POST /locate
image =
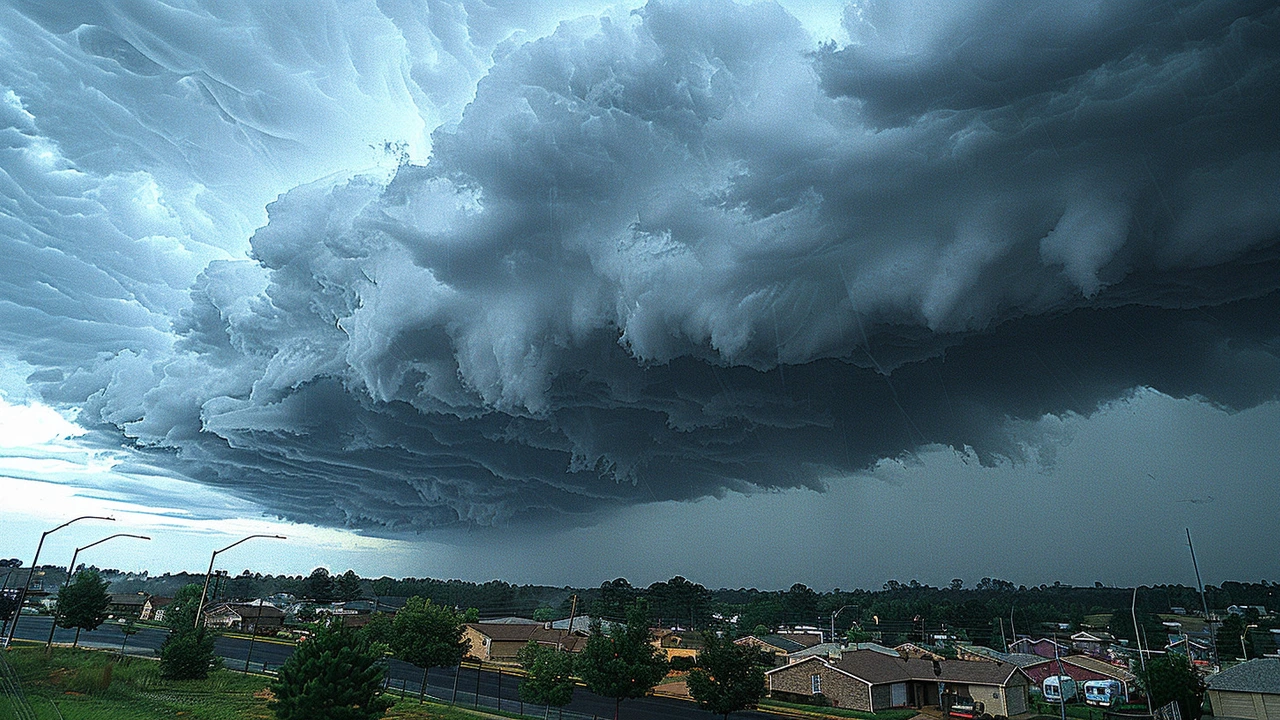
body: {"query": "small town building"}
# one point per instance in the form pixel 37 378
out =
pixel 1092 642
pixel 1044 647
pixel 153 609
pixel 1248 691
pixel 872 681
pixel 258 617
pixel 501 642
pixel 126 604
pixel 677 643
pixel 776 645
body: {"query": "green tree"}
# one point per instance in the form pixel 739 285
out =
pixel 727 678
pixel 346 587
pixel 545 614
pixel 549 679
pixel 621 663
pixel 335 675
pixel 82 603
pixel 318 586
pixel 427 635
pixel 1171 678
pixel 187 653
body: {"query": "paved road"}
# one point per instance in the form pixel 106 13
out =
pixel 440 681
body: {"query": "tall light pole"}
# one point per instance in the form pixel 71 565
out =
pixel 22 596
pixel 835 615
pixel 72 568
pixel 209 572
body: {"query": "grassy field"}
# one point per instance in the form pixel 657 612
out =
pixel 905 714
pixel 87 685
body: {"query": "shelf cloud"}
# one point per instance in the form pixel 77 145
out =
pixel 630 257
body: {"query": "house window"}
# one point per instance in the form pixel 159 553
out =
pixel 816 682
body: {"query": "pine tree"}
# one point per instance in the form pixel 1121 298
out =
pixel 621 663
pixel 728 678
pixel 335 675
pixel 188 652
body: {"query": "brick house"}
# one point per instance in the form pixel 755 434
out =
pixel 871 681
pixel 502 641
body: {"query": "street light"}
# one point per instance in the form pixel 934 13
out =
pixel 72 568
pixel 835 615
pixel 22 596
pixel 209 572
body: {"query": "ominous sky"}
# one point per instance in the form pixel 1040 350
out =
pixel 556 292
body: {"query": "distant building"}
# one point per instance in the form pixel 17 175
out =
pixel 153 609
pixel 257 617
pixel 126 604
pixel 1094 642
pixel 1082 668
pixel 1044 647
pixel 778 646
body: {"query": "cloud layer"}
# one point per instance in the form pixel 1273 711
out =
pixel 652 256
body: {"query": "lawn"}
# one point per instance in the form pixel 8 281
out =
pixel 89 685
pixel 816 711
pixel 86 685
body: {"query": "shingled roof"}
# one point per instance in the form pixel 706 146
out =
pixel 1256 676
pixel 877 668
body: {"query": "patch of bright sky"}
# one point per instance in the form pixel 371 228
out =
pixel 47 477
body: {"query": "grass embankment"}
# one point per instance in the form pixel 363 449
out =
pixel 821 712
pixel 89 685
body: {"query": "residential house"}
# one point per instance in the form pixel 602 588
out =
pixel 1198 651
pixel 258 617
pixel 500 642
pixel 776 645
pixel 1248 691
pixel 806 635
pixel 1093 642
pixel 126 604
pixel 1082 668
pixel 677 643
pixel 581 624
pixel 154 607
pixel 1044 647
pixel 872 681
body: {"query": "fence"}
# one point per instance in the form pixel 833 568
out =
pixel 460 696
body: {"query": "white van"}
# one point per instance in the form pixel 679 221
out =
pixel 1058 688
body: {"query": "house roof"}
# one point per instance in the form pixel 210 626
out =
pixel 511 620
pixel 878 668
pixel 503 632
pixel 1256 676
pixel 1086 636
pixel 158 602
pixel 786 645
pixel 1101 667
pixel 830 649
pixel 128 599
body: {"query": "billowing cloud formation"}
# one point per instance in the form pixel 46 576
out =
pixel 657 256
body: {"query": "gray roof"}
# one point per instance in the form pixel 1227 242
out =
pixel 1019 659
pixel 830 649
pixel 1258 676
pixel 877 668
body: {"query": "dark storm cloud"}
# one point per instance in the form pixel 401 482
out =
pixel 673 254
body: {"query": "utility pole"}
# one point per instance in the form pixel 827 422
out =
pixel 1213 635
pixel 1137 639
pixel 573 612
